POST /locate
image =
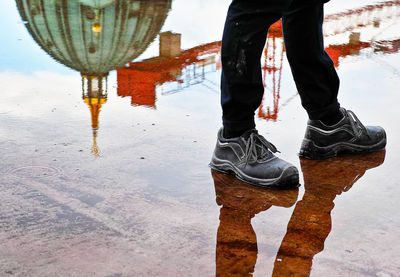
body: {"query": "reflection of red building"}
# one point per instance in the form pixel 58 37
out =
pixel 139 85
pixel 140 79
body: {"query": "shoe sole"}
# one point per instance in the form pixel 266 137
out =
pixel 288 179
pixel 311 151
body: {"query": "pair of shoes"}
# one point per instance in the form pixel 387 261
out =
pixel 348 136
pixel 251 158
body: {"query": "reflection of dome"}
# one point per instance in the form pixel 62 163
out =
pixel 94 36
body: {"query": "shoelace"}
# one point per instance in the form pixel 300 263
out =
pixel 251 147
pixel 356 124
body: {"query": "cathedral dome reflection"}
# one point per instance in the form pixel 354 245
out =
pixel 94 36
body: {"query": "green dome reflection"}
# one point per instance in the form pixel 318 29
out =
pixel 94 36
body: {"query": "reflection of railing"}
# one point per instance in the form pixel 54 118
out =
pixel 363 17
pixel 140 79
pixel 192 75
pixel 334 24
pixel 273 64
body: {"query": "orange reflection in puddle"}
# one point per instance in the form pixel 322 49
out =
pixel 309 225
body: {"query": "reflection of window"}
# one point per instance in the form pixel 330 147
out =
pixel 36 7
pixel 89 13
pixel 134 10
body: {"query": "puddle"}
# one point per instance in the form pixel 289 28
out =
pixel 133 86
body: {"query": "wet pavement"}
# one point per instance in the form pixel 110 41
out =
pixel 104 172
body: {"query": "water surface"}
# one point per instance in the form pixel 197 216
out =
pixel 109 115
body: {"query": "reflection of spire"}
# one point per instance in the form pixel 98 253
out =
pixel 94 89
pixel 95 149
pixel 311 221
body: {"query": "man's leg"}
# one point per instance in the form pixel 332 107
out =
pixel 243 41
pixel 240 149
pixel 313 70
pixel 331 130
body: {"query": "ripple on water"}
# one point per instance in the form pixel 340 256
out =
pixel 35 171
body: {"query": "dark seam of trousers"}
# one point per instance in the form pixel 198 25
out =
pixel 244 38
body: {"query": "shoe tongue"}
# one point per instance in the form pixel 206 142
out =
pixel 247 134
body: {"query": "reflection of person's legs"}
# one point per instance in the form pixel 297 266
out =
pixel 244 38
pixel 307 231
pixel 236 249
pixel 312 68
pixel 311 223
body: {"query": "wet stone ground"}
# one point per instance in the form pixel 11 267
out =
pixel 108 117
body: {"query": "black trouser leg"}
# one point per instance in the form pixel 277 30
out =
pixel 243 41
pixel 313 70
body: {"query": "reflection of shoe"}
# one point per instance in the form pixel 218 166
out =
pixel 232 193
pixel 334 176
pixel 250 158
pixel 347 136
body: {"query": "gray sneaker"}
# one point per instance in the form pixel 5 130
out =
pixel 250 158
pixel 348 136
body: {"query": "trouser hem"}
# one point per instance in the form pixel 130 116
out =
pixel 324 112
pixel 238 126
